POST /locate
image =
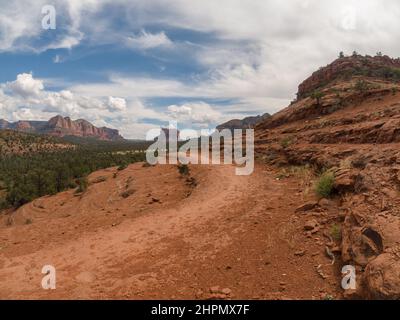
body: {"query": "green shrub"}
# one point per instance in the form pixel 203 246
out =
pixel 361 86
pixel 183 169
pixel 286 142
pixel 82 185
pixel 122 166
pixel 317 95
pixel 324 185
pixel 336 232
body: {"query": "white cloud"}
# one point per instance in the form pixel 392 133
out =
pixel 23 114
pixel 57 59
pixel 138 87
pixel 67 42
pixel 254 53
pixel 199 113
pixel 27 99
pixel 26 86
pixel 116 104
pixel 147 40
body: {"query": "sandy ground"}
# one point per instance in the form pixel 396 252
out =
pixel 169 239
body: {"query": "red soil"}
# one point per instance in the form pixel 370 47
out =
pixel 168 240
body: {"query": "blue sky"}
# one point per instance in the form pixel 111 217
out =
pixel 136 65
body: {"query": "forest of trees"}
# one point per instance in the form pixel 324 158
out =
pixel 29 176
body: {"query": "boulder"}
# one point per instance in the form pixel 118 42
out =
pixel 382 277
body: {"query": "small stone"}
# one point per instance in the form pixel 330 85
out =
pixel 326 204
pixel 311 225
pixel 226 291
pixel 300 253
pixel 307 207
pixel 215 289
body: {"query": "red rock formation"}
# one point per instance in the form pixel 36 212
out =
pixel 355 134
pixel 23 126
pixel 379 66
pixel 60 127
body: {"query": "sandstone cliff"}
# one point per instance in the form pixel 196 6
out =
pixel 59 126
pixel 351 129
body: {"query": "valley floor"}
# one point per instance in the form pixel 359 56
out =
pixel 230 237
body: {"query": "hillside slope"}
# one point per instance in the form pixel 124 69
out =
pixel 246 123
pixel 150 233
pixel 351 127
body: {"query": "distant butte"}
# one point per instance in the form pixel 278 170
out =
pixel 59 126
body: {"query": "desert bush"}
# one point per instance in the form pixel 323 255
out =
pixel 122 166
pixel 184 169
pixel 127 193
pixel 336 232
pixel 286 142
pixel 361 86
pixel 324 185
pixel 317 95
pixel 82 185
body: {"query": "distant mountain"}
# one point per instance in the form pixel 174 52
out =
pixel 246 123
pixel 59 126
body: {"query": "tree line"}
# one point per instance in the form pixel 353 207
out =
pixel 26 177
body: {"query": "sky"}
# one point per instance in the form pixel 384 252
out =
pixel 135 65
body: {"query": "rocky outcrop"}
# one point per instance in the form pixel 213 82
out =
pixel 355 134
pixel 246 123
pixel 60 127
pixel 343 68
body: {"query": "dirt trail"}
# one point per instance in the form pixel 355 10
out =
pixel 235 232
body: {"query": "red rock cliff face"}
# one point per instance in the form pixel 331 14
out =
pixel 377 67
pixel 355 135
pixel 59 126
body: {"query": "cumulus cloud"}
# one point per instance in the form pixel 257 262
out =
pixel 254 54
pixel 23 114
pixel 116 104
pixel 26 98
pixel 26 86
pixel 199 113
